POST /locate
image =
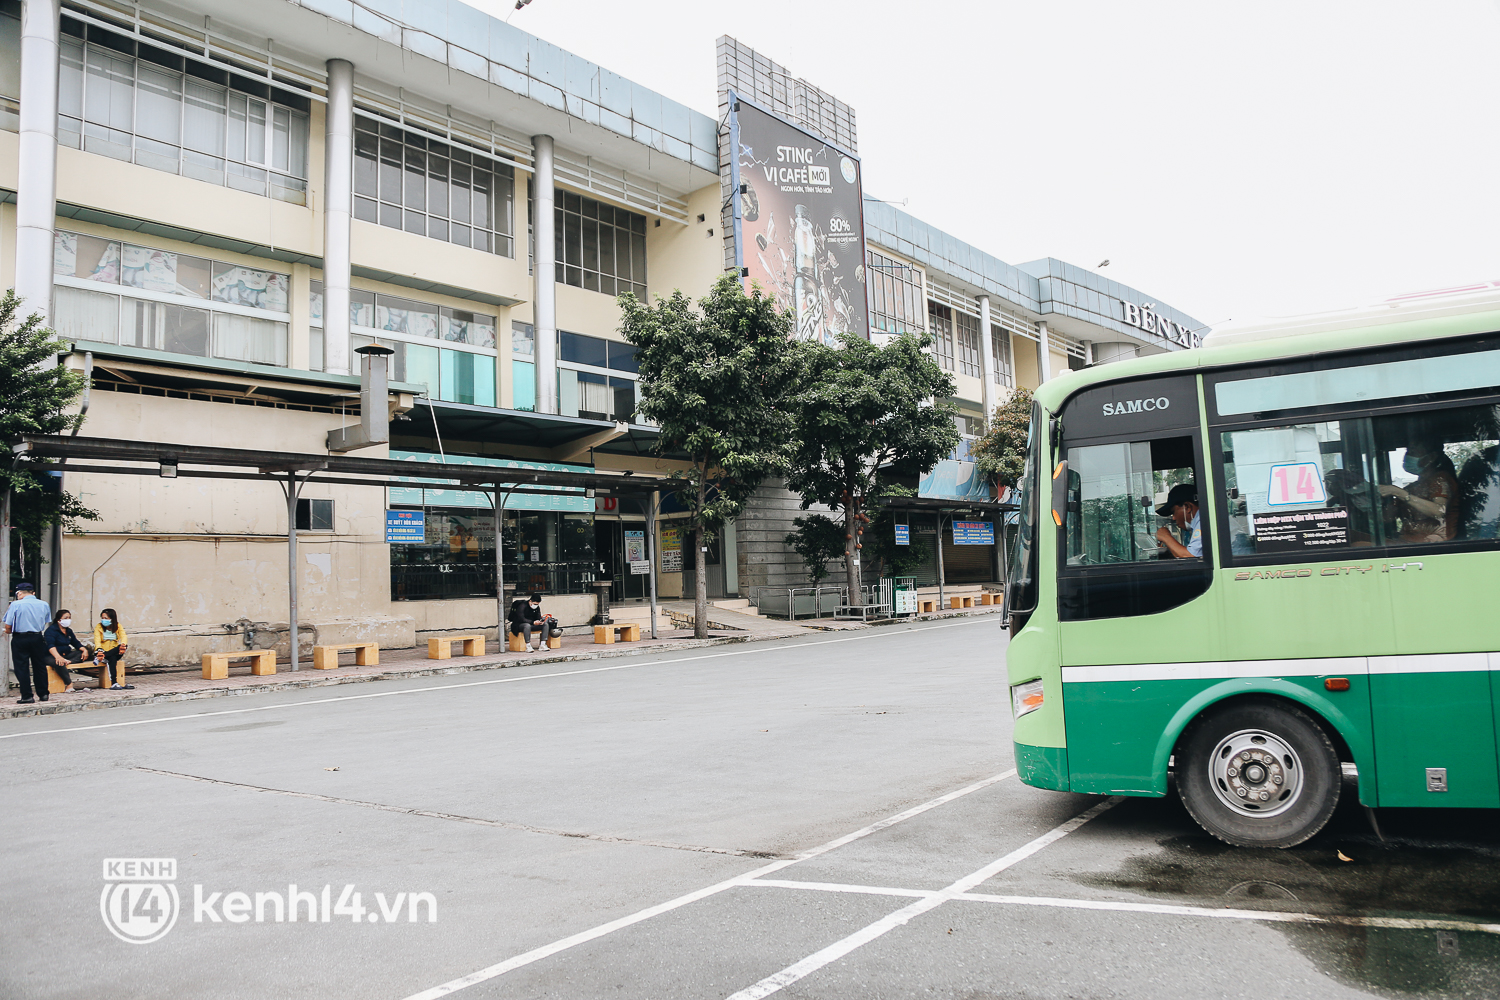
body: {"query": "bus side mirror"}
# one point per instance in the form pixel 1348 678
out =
pixel 1060 492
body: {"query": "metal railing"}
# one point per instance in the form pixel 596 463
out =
pixel 875 600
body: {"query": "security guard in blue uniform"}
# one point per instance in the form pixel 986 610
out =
pixel 25 621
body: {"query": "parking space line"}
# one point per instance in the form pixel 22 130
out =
pixel 536 954
pixel 1273 916
pixel 863 936
pixel 871 890
pixel 469 684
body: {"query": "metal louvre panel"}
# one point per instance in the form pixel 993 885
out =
pixel 617 185
pixel 961 301
pixel 411 113
pixel 220 46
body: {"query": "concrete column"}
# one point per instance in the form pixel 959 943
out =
pixel 987 359
pixel 338 208
pixel 36 199
pixel 544 267
pixel 1043 355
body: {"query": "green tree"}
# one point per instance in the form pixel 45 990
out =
pixel 818 539
pixel 1001 453
pixel 32 399
pixel 867 415
pixel 715 380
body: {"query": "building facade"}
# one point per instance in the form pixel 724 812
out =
pixel 216 219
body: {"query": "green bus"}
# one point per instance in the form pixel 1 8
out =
pixel 1248 564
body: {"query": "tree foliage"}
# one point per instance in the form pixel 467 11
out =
pixel 1001 453
pixel 866 415
pixel 32 400
pixel 715 380
pixel 818 540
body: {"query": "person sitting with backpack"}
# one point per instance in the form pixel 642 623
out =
pixel 526 616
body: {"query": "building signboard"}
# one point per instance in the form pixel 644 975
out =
pixel 635 553
pixel 903 534
pixel 404 527
pixel 1145 318
pixel 973 533
pixel 799 229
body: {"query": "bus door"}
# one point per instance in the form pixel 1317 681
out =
pixel 1125 596
pixel 1434 701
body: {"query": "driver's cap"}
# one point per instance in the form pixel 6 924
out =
pixel 1181 493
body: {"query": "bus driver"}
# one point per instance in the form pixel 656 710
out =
pixel 1182 508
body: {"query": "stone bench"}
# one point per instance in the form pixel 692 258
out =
pixel 216 665
pixel 441 647
pixel 366 654
pixel 605 635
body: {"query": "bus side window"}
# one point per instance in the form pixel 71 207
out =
pixel 1114 493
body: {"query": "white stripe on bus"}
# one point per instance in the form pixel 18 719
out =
pixel 1348 666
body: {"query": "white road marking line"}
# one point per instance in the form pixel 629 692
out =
pixel 457 817
pixel 1274 916
pixel 468 684
pixel 1168 909
pixel 536 954
pixel 871 890
pixel 837 950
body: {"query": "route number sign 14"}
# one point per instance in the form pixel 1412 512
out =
pixel 1296 484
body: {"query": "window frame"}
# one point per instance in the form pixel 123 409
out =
pixel 309 501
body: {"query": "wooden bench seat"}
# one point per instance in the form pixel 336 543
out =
pixel 926 605
pixel 441 647
pixel 605 635
pixel 517 642
pixel 988 597
pixel 216 665
pixel 366 654
pixel 962 601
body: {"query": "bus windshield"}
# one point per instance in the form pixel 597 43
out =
pixel 1021 591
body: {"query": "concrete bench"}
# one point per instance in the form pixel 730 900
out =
pixel 517 642
pixel 964 601
pixel 216 665
pixel 366 654
pixel 441 647
pixel 605 635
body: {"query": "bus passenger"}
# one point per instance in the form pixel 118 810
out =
pixel 1425 508
pixel 1182 508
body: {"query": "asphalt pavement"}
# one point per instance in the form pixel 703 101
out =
pixel 830 817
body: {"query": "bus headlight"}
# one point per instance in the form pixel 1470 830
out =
pixel 1026 698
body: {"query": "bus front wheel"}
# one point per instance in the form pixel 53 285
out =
pixel 1258 774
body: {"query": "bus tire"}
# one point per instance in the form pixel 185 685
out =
pixel 1258 773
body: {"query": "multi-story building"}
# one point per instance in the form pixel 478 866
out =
pixel 217 203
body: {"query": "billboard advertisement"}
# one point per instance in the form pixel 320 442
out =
pixel 799 222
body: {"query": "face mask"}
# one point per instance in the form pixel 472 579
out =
pixel 1411 463
pixel 65 622
pixel 105 623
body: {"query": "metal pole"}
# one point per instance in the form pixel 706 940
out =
pixel 651 554
pixel 942 593
pixel 291 565
pixel 500 609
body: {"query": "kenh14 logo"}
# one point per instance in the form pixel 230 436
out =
pixel 139 902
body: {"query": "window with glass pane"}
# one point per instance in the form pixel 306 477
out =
pixel 160 109
pixel 523 385
pixel 522 339
pixel 582 349
pixel 940 324
pixel 244 338
pixel 163 327
pixel 465 327
pixel 1436 473
pixel 599 247
pixel 432 187
pixel 467 378
pixel 83 315
pixel 895 295
pixel 1004 373
pixel 1113 493
pixel 967 329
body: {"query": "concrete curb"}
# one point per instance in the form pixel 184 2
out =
pixel 77 704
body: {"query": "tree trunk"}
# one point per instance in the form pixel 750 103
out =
pixel 700 563
pixel 851 554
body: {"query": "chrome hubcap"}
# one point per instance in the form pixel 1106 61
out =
pixel 1256 773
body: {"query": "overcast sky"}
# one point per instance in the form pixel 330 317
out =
pixel 1232 160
